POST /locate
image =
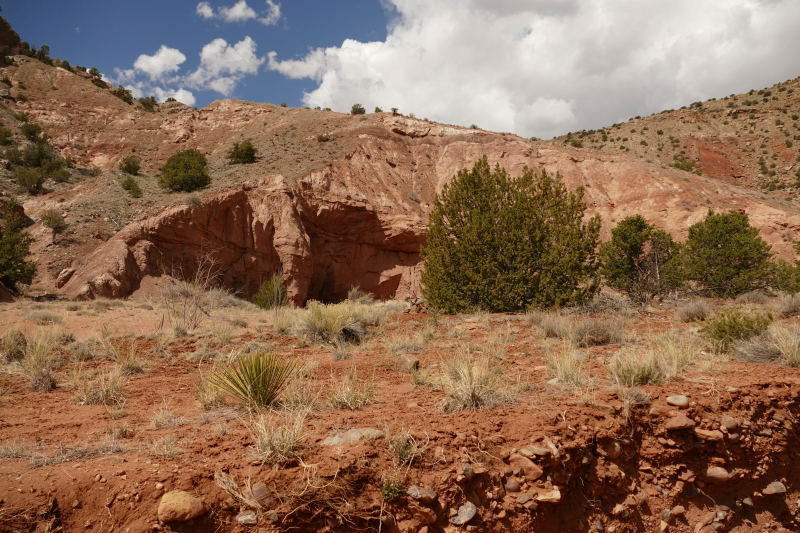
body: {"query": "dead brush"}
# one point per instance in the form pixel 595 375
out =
pixel 348 393
pixel 190 299
pixel 406 450
pixel 310 494
pixel 790 306
pixel 13 344
pixel 39 362
pixel 753 297
pixel 556 327
pixel 227 482
pixel 106 387
pixel 566 366
pixel 400 343
pixel 123 352
pixel 473 382
pixel 697 310
pixel 594 332
pixel 277 436
pixel 209 396
pixel 299 396
pixel 633 398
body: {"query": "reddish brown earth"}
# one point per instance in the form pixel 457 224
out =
pixel 621 471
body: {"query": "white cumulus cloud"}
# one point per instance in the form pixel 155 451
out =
pixel 240 12
pixel 223 65
pixel 545 67
pixel 165 61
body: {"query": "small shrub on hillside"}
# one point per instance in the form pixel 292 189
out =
pixel 31 130
pixel 38 362
pixel 241 154
pixel 567 367
pixel 149 103
pixel 753 297
pixel 94 72
pixel 6 136
pixel 272 293
pixel 734 325
pixel 130 165
pixel 185 171
pixel 357 109
pixel 323 138
pixel 29 179
pixel 504 244
pixel 124 94
pixel 637 259
pixel 132 186
pixel 52 219
pixel 15 248
pixel 473 382
pixel 724 256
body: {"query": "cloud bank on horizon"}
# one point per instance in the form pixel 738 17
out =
pixel 532 67
pixel 545 67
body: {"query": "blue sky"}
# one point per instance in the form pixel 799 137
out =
pixel 110 34
pixel 532 67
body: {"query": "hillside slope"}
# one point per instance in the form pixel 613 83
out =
pixel 750 139
pixel 331 214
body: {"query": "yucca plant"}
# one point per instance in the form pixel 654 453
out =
pixel 256 379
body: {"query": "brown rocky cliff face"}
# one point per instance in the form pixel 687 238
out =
pixel 354 222
pixel 348 212
pixel 9 40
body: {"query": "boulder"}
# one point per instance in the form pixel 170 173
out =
pixel 180 506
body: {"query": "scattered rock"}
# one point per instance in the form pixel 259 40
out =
pixel 531 470
pixel 776 487
pixel 159 486
pixel 612 449
pixel 76 504
pixel 112 459
pixel 425 496
pixel 247 518
pixel 272 517
pixel 180 506
pixel 679 400
pixel 531 451
pixel 678 510
pixel 748 501
pixel 525 498
pixel 680 421
pixel 352 436
pixel 599 526
pixel 262 495
pixel 467 471
pixel 712 435
pixel 554 496
pixel 512 485
pixel 388 520
pixel 465 513
pixel 730 423
pixel 716 474
pixel 406 363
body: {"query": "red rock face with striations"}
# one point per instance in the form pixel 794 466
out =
pixel 331 215
pixel 352 223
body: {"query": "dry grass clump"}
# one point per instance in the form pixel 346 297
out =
pixel 790 306
pixel 84 350
pixel 603 302
pixel 779 344
pixel 44 318
pixel 38 362
pixel 399 344
pixel 15 450
pixel 13 344
pixel 473 382
pixel 667 357
pixel 166 448
pixel 594 332
pixel 124 354
pixel 277 436
pixel 207 394
pixel 166 418
pixel 693 311
pixel 104 388
pixel 343 322
pixel 299 396
pixel 284 319
pixel 567 367
pixel 753 297
pixel 556 327
pixel 349 393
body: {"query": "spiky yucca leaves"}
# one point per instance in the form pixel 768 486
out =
pixel 255 379
pixel 503 244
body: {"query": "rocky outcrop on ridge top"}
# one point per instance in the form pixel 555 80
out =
pixel 349 211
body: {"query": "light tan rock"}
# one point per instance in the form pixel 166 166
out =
pixel 180 506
